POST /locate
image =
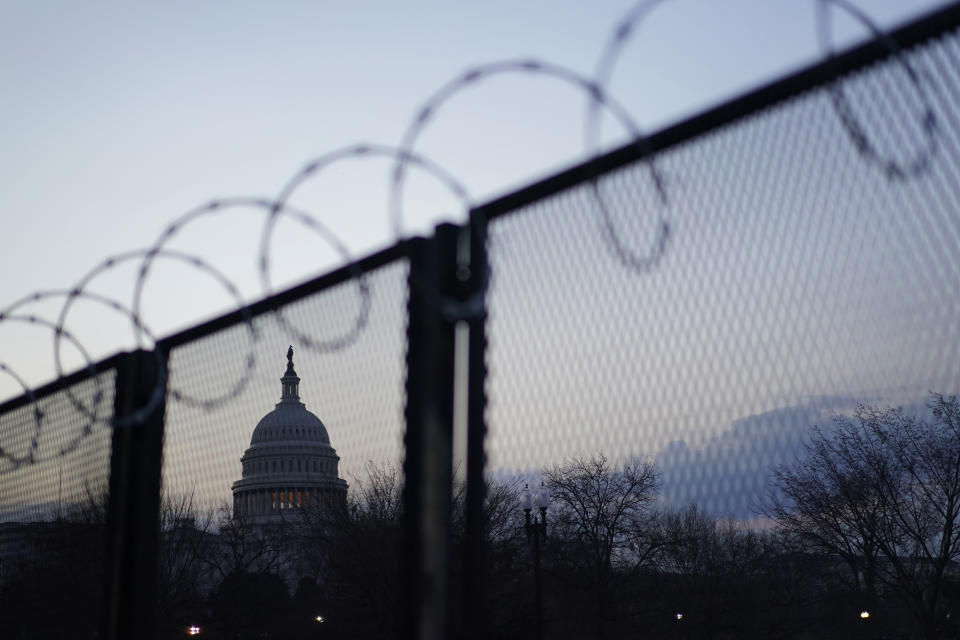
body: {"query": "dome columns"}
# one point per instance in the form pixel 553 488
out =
pixel 271 502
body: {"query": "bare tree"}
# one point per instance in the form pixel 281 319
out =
pixel 601 524
pixel 881 491
pixel 184 572
pixel 503 517
pixel 354 551
pixel 243 546
pixel 726 579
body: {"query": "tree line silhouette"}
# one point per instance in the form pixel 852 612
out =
pixel 859 538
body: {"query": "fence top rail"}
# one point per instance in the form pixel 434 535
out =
pixel 196 332
pixel 61 383
pixel 807 79
pixel 333 278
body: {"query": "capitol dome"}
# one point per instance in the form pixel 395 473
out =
pixel 290 464
pixel 289 421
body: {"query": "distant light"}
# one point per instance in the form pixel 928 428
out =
pixel 319 619
pixel 679 616
pixel 193 630
pixel 864 615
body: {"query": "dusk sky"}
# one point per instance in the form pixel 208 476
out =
pixel 725 368
pixel 798 280
pixel 118 118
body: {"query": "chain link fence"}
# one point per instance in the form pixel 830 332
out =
pixel 652 335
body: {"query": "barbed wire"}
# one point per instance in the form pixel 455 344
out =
pixel 9 458
pixel 313 169
pixel 891 167
pixel 604 70
pixel 404 158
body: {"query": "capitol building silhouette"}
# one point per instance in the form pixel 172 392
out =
pixel 290 465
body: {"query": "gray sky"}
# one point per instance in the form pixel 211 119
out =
pixel 118 117
pixel 797 282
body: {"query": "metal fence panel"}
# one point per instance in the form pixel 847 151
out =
pixel 799 261
pixel 257 534
pixel 54 475
pixel 667 325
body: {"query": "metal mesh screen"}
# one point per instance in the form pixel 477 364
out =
pixel 806 272
pixel 288 513
pixel 798 280
pixel 663 345
pixel 54 474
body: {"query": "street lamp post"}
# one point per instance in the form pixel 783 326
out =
pixel 536 530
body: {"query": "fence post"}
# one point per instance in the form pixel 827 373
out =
pixel 429 438
pixel 132 514
pixel 447 283
pixel 473 276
